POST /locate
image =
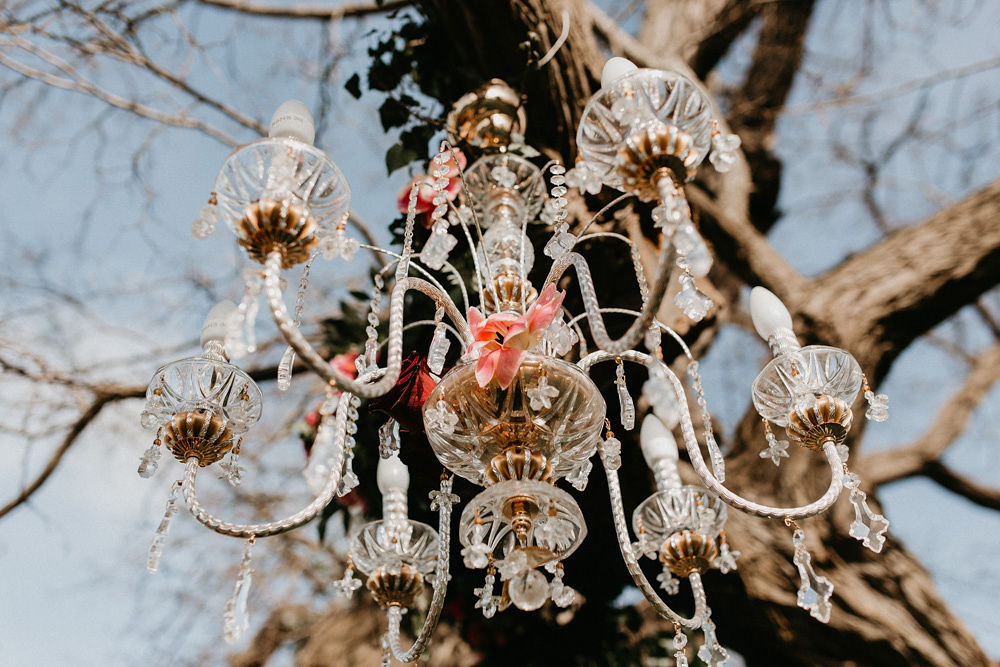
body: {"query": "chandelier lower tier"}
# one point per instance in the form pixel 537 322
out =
pixel 513 415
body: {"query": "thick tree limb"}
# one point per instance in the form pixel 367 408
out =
pixel 314 11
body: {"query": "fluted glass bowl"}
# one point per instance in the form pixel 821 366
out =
pixel 394 543
pixel 198 383
pixel 282 169
pixel 482 191
pixel 811 371
pixel 660 97
pixel 490 419
pixel 691 508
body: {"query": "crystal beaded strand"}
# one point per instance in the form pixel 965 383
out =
pixel 627 412
pixel 288 358
pixel 714 453
pixel 439 343
pixel 440 242
pixel 156 548
pixel 236 618
pixel 149 463
pixel 680 642
pixel 878 404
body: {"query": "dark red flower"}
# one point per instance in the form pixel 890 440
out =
pixel 406 399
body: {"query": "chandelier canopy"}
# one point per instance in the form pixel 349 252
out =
pixel 516 412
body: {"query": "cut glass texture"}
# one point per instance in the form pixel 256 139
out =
pixel 197 383
pixel 415 545
pixel 813 370
pixel 688 508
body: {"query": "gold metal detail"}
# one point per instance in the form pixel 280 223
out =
pixel 518 462
pixel 507 293
pixel 649 156
pixel 201 434
pixel 687 551
pixel 488 116
pixel 828 420
pixel 268 225
pixel 395 589
pixel 521 511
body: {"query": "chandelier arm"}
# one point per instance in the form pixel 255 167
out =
pixel 739 502
pixel 597 328
pixel 316 363
pixel 447 267
pixel 632 564
pixel 300 518
pixel 440 586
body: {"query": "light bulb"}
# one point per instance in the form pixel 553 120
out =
pixel 768 313
pixel 616 68
pixel 220 322
pixel 656 441
pixel 392 474
pixel 292 119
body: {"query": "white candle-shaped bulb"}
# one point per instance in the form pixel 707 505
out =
pixel 292 119
pixel 220 323
pixel 392 475
pixel 769 315
pixel 616 68
pixel 656 441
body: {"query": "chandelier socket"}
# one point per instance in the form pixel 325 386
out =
pixel 688 551
pixel 521 510
pixel 828 419
pixel 200 434
pixel 270 226
pixel 517 462
pixel 395 589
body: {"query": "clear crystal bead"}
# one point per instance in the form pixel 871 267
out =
pixel 201 229
pixel 148 418
pixel 285 369
pixel 723 155
pixel 711 652
pixel 528 590
pixel 149 462
pixel 438 350
pixel 541 394
pixel 878 406
pixel 725 562
pixel 580 475
pixel 347 584
pixel 715 457
pixel 236 618
pixel 441 418
pixel 611 452
pixel 231 471
pixel 668 582
pixel 560 243
pixel 436 249
pixel 626 406
pixel 691 300
pixel 775 450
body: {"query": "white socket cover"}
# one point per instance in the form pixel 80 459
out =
pixel 656 440
pixel 292 119
pixel 392 474
pixel 768 313
pixel 220 322
pixel 616 68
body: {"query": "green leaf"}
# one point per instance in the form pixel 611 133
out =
pixel 393 113
pixel 398 156
pixel 353 86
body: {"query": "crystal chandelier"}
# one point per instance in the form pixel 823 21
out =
pixel 512 415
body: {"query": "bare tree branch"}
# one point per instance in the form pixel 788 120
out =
pixel 308 11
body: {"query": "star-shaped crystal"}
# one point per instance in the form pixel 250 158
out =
pixel 231 472
pixel 878 406
pixel 724 147
pixel 441 418
pixel 514 563
pixel 541 395
pixel 725 562
pixel 348 584
pixel 504 176
pixel 611 452
pixel 585 178
pixel 580 475
pixel 776 450
pixel 668 582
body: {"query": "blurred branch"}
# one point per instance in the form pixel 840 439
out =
pixel 924 456
pixel 308 11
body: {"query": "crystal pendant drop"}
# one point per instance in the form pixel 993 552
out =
pixel 715 457
pixel 652 338
pixel 347 584
pixel 711 652
pixel 349 480
pixel 236 618
pixel 611 452
pixel 285 369
pixel 476 556
pixel 725 562
pixel 868 526
pixel 231 471
pixel 668 582
pixel 580 475
pixel 437 247
pixel 814 590
pixel 627 408
pixel 691 300
pixel 388 438
pixel 439 345
pixel 541 394
pixel 723 155
pixel 561 594
pixel 680 642
pixel 486 601
pixel 528 590
pixel 156 548
pixel 560 243
pixel 441 418
pixel 149 462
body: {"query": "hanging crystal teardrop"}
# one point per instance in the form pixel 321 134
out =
pixel 627 407
pixel 814 590
pixel 156 548
pixel 878 406
pixel 236 618
pixel 868 526
pixel 285 369
pixel 149 462
pixel 388 438
pixel 439 344
pixel 711 652
pixel 680 642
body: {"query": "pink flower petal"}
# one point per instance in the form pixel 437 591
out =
pixel 486 367
pixel 506 370
pixel 475 319
pixel 545 308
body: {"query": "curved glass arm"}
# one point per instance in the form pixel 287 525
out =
pixel 708 479
pixel 316 363
pixel 300 518
pixel 632 563
pixel 598 329
pixel 440 587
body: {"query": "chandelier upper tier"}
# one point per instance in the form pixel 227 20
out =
pixel 511 414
